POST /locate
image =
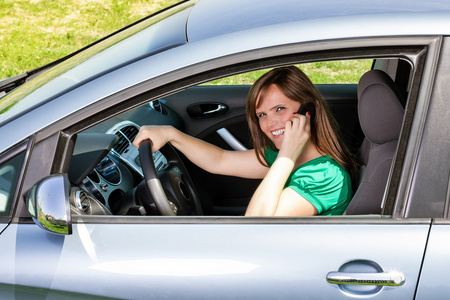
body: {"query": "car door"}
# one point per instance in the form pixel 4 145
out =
pixel 235 258
pixel 211 256
pixel 145 257
pixel 133 257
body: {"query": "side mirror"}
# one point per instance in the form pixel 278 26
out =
pixel 49 206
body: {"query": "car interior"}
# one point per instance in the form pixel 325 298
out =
pixel 107 172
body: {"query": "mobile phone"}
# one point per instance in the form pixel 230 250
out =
pixel 305 107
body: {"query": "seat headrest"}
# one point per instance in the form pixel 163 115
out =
pixel 379 107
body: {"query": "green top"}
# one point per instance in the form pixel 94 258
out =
pixel 321 181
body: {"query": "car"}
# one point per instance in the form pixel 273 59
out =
pixel 84 213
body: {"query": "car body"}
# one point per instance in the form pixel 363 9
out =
pixel 61 126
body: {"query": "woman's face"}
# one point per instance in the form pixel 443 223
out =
pixel 273 113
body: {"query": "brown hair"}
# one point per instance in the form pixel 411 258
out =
pixel 295 85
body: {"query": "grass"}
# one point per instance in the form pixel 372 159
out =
pixel 344 71
pixel 34 33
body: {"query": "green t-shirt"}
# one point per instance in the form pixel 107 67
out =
pixel 321 181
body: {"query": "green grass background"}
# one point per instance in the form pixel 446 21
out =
pixel 34 33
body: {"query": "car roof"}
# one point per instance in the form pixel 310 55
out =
pixel 195 31
pixel 211 18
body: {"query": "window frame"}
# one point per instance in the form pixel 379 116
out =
pixel 413 49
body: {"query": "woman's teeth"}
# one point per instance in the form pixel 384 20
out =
pixel 278 132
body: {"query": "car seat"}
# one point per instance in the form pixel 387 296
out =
pixel 380 113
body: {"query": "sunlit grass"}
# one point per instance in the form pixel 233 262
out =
pixel 34 33
pixel 345 71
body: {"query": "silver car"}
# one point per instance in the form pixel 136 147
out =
pixel 84 214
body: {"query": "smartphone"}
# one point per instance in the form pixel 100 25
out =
pixel 305 107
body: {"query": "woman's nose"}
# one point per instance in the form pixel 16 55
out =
pixel 272 120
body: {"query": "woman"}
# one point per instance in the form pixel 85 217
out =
pixel 305 167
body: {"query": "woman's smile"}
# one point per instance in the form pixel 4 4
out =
pixel 278 133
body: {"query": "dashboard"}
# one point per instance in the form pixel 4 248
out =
pixel 105 166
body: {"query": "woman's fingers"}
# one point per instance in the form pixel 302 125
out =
pixel 142 135
pixel 153 133
pixel 296 135
pixel 299 122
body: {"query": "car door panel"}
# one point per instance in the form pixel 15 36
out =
pixel 176 260
pixel 232 97
pixel 225 195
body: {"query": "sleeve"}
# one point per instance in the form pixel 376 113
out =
pixel 324 185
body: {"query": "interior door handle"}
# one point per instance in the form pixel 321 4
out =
pixel 380 279
pixel 220 107
pixel 206 110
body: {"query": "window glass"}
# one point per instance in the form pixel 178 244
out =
pixel 9 174
pixel 326 72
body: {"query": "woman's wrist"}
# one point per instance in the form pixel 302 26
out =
pixel 284 162
pixel 174 136
pixel 170 133
pixel 286 155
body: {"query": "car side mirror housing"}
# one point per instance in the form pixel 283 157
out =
pixel 49 205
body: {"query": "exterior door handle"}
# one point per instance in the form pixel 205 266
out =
pixel 379 279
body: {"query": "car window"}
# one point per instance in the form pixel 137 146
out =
pixel 325 72
pixel 214 112
pixel 9 174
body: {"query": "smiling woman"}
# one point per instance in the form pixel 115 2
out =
pixel 35 33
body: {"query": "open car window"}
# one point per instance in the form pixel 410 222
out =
pixel 106 167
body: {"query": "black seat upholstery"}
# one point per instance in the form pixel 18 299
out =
pixel 381 116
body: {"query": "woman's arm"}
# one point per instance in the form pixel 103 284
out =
pixel 270 198
pixel 206 156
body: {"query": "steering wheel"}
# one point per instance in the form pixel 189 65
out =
pixel 172 191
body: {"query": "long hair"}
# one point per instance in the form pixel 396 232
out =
pixel 295 85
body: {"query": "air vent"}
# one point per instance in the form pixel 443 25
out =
pixel 158 106
pixel 126 136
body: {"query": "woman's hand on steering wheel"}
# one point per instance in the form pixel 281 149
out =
pixel 159 136
pixel 174 193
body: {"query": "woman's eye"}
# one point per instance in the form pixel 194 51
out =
pixel 280 108
pixel 260 115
